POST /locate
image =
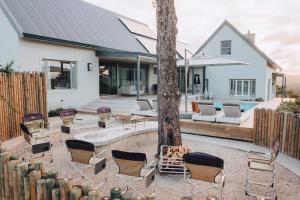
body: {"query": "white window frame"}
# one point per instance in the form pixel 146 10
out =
pixel 73 75
pixel 242 94
pixel 226 48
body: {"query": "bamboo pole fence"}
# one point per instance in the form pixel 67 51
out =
pixel 20 93
pixel 23 180
pixel 270 125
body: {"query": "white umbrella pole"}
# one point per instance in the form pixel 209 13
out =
pixel 186 77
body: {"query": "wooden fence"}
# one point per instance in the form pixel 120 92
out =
pixel 20 93
pixel 270 125
pixel 30 181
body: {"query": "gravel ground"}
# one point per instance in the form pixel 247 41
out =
pixel 167 186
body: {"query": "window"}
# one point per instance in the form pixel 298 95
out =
pixel 242 88
pixel 226 47
pixel 61 74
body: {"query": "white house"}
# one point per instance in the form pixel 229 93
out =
pixel 257 79
pixel 85 50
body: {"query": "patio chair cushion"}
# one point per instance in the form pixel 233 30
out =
pixel 33 122
pixel 129 163
pixel 195 107
pixel 199 158
pixel 203 166
pixel 79 144
pixel 232 110
pixel 275 149
pixel 207 109
pixel 262 166
pixel 81 151
pixel 67 116
pixel 103 110
pixel 129 155
pixel 32 117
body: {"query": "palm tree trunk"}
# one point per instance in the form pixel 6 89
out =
pixel 168 92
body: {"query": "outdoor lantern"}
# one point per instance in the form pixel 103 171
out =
pixel 89 67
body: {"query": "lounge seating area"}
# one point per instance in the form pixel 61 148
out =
pixel 203 177
pixel 229 113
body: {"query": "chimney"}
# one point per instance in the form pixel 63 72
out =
pixel 250 37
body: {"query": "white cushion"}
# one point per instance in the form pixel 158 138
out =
pixel 200 117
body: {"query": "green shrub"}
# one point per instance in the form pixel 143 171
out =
pixel 55 112
pixel 297 101
pixel 288 106
pixel 259 99
pixel 7 68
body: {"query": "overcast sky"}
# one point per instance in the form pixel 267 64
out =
pixel 275 22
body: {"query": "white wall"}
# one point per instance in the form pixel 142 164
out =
pixel 240 50
pixel 30 58
pixel 9 41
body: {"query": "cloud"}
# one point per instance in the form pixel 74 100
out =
pixel 275 22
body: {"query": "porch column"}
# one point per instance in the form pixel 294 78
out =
pixel 180 78
pixel 186 77
pixel 282 89
pixel 118 82
pixel 138 77
pixel 193 85
pixel 204 77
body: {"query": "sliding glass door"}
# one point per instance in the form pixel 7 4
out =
pixel 108 78
pixel 114 75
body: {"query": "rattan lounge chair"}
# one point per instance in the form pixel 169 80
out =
pixel 264 163
pixel 144 104
pixel 145 108
pixel 154 104
pixel 204 167
pixel 36 136
pixel 83 156
pixel 207 113
pixel 132 164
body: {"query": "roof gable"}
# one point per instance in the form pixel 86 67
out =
pixel 269 61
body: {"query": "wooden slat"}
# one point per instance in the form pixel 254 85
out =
pixel 217 130
pixel 20 92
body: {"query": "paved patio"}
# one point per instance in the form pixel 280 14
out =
pixel 127 104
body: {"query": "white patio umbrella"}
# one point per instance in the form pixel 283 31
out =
pixel 201 61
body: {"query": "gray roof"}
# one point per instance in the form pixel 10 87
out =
pixel 70 20
pixel 270 62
